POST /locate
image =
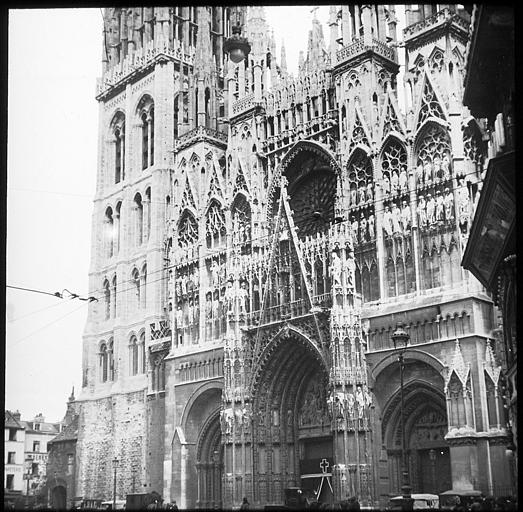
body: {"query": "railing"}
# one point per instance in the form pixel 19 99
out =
pixel 243 104
pixel 140 59
pixel 289 310
pixel 358 46
pixel 440 17
pixel 197 134
pixel 436 329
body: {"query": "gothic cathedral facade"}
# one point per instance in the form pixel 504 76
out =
pixel 256 238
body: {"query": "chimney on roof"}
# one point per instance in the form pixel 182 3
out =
pixel 16 415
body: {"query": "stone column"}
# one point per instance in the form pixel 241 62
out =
pixel 350 400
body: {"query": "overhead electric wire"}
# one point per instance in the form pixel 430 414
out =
pixel 47 325
pixel 191 261
pixel 164 203
pixel 36 311
pixel 257 239
pixel 34 291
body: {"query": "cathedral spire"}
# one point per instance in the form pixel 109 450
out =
pixel 203 61
pixel 283 59
pixel 316 51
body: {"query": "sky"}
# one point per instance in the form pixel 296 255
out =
pixel 54 58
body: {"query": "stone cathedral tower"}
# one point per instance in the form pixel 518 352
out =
pixel 256 239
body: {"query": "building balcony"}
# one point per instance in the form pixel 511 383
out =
pixel 139 61
pixel 244 104
pixel 200 134
pixel 445 17
pixel 358 48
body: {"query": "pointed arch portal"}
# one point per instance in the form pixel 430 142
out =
pixel 292 440
pixel 426 424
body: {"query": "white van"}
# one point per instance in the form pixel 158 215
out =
pixel 108 505
pixel 421 501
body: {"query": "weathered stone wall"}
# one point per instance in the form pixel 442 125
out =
pixel 111 427
pixel 155 442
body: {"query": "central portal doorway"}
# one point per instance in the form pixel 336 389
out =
pixel 291 428
pixel 316 468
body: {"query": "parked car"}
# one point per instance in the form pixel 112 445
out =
pixel 454 497
pixel 419 502
pixel 108 505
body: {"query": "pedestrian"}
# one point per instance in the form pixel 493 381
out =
pixel 476 506
pixel 245 504
pixel 174 506
pixel 353 504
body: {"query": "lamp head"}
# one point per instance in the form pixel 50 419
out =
pixel 400 337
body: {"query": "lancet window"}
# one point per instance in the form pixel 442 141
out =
pixel 147 212
pixel 241 219
pixel 142 352
pixel 133 355
pixel 367 278
pixel 103 362
pixel 109 232
pixel 118 134
pixel 436 61
pixel 117 220
pixel 110 359
pixel 187 230
pixel 146 115
pixel 143 295
pixel 107 300
pixel 394 169
pixel 361 186
pixel 114 296
pixel 138 219
pixel 430 106
pixel 137 289
pixel 433 175
pixel 215 226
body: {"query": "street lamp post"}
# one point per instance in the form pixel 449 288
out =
pixel 400 338
pixel 115 466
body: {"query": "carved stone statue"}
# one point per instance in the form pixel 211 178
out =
pixel 353 196
pixel 422 214
pixel 438 171
pixel 372 233
pixel 440 207
pixel 427 172
pixel 179 318
pixel 463 202
pixel 403 180
pixel 446 167
pixel 386 184
pixel 350 404
pixel 394 182
pixel 449 205
pixel 419 175
pixel 370 191
pixel 355 226
pixel 360 399
pixel 244 298
pixel 396 219
pixel 336 269
pixel 362 197
pixel 363 228
pixel 406 218
pixel 431 208
pixel 229 297
pixel 387 221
